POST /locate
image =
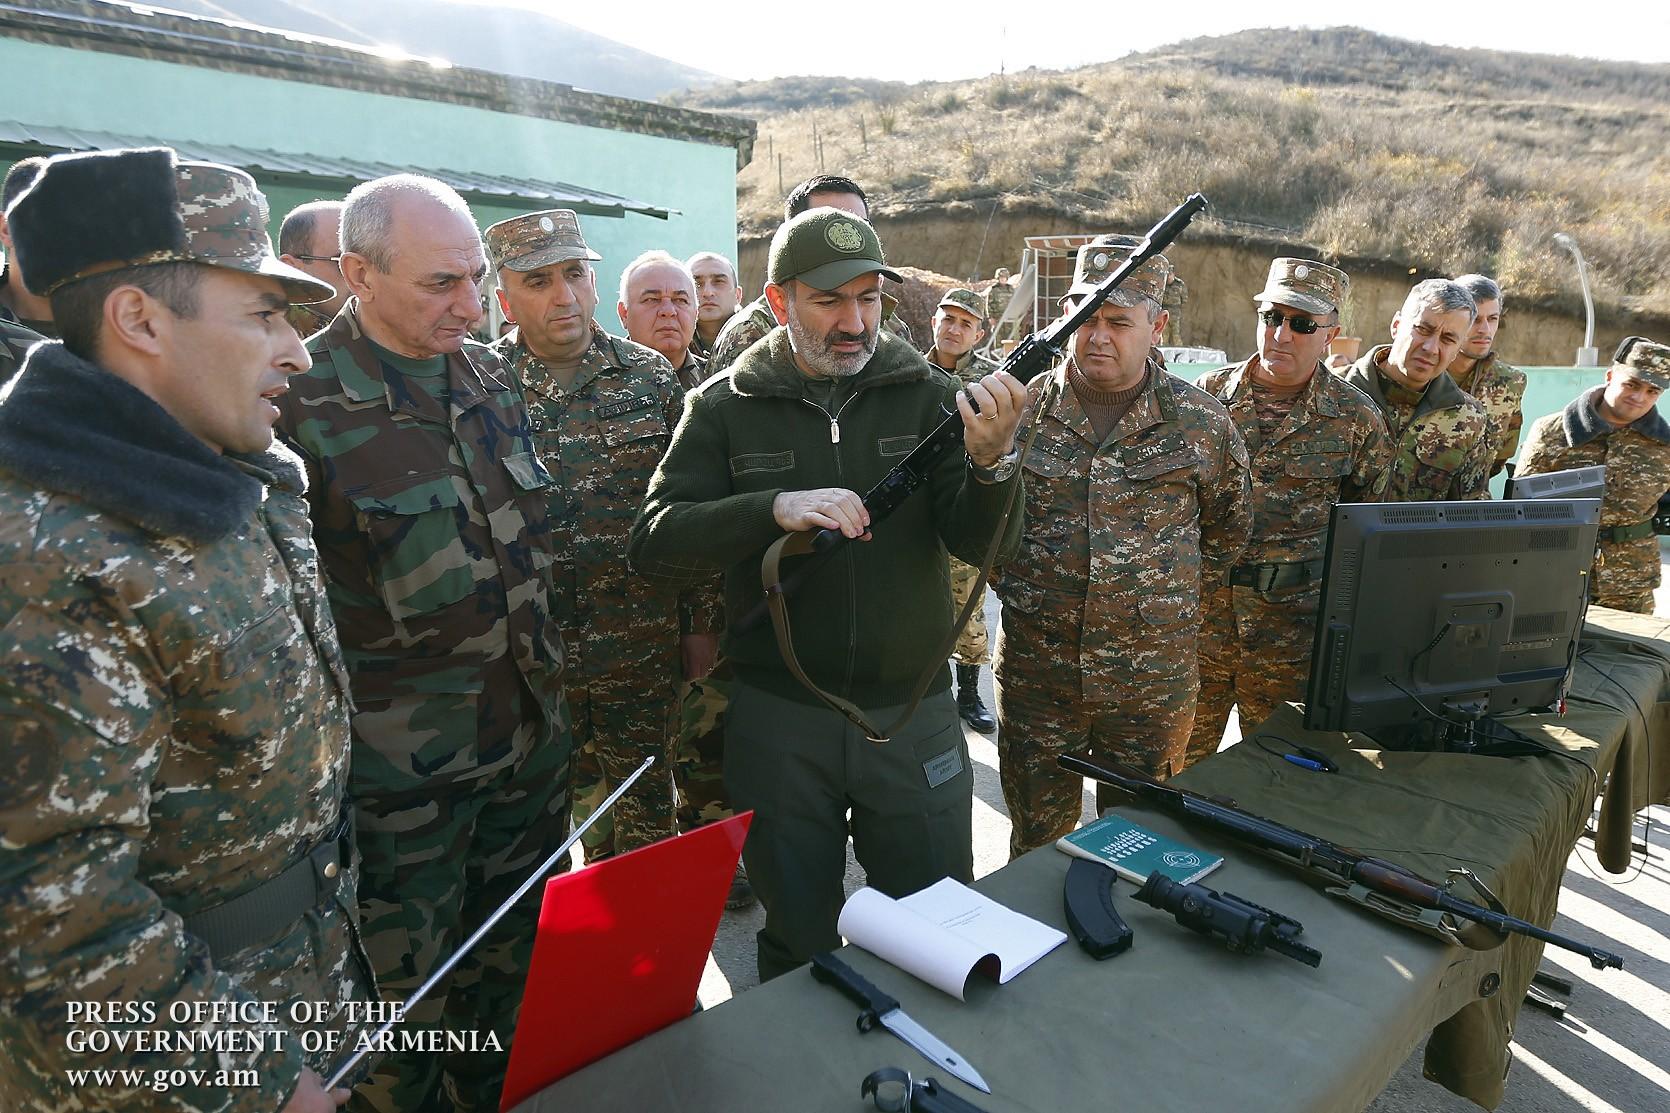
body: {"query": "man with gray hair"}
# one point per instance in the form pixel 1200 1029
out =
pixel 1480 372
pixel 658 308
pixel 718 297
pixel 1442 435
pixel 309 240
pixel 429 507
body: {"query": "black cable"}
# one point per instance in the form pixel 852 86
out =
pixel 1553 751
pixel 1427 648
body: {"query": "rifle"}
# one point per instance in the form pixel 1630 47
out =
pixel 1381 879
pixel 1031 358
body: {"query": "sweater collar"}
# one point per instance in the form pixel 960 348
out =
pixel 70 426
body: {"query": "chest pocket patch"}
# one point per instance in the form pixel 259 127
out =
pixel 750 463
pixel 1152 467
pixel 897 446
pixel 626 406
pixel 254 642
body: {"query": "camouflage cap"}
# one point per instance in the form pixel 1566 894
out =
pixel 534 240
pixel 1305 284
pixel 1103 255
pixel 1645 360
pixel 965 299
pixel 86 214
pixel 826 248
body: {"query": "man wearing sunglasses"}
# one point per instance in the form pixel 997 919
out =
pixel 1314 440
pixel 308 241
pixel 1443 435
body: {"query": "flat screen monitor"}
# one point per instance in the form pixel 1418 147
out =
pixel 1437 613
pixel 1572 483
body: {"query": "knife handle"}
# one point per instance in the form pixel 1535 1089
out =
pixel 830 970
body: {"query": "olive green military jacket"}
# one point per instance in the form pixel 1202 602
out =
pixel 1331 448
pixel 871 620
pixel 1637 461
pixel 175 713
pixel 1442 449
pixel 432 526
pixel 1122 534
pixel 971 365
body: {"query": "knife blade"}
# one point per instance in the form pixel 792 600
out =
pixel 879 1008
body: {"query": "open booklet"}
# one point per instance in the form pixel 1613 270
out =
pixel 945 932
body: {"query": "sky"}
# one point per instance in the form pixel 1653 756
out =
pixel 968 38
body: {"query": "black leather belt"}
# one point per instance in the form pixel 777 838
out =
pixel 1271 577
pixel 1633 532
pixel 270 909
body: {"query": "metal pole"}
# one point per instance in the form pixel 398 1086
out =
pixel 498 914
pixel 1588 355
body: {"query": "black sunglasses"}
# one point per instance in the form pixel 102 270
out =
pixel 337 259
pixel 1304 326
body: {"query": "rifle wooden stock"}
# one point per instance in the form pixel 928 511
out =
pixel 1318 856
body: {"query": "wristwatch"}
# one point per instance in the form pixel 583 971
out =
pixel 998 472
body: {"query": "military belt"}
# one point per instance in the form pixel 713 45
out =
pixel 272 907
pixel 1270 577
pixel 1633 532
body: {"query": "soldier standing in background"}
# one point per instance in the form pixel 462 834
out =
pixel 310 240
pixel 603 411
pixel 430 510
pixel 175 708
pixel 18 304
pixel 1618 425
pixel 1479 371
pixel 1442 436
pixel 718 296
pixel 657 308
pixel 1136 496
pixel 959 326
pixel 1313 440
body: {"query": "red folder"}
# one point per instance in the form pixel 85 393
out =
pixel 620 952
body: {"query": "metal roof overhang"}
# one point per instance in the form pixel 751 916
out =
pixel 486 187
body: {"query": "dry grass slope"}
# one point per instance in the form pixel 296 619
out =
pixel 1362 145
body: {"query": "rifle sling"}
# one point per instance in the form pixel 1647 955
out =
pixel 800 544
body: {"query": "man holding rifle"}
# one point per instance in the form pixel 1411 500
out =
pixel 819 410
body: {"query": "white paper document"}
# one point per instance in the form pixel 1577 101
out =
pixel 945 932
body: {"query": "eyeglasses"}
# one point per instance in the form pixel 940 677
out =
pixel 334 259
pixel 1304 326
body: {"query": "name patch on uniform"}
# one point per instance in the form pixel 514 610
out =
pixel 1309 448
pixel 749 462
pixel 944 767
pixel 630 406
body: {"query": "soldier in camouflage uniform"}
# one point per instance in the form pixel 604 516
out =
pixel 429 505
pixel 657 308
pixel 18 306
pixel 718 297
pixel 309 239
pixel 1479 371
pixel 603 411
pixel 1313 440
pixel 960 325
pixel 1443 437
pixel 1617 425
pixel 173 804
pixel 1136 496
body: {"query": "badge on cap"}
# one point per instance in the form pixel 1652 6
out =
pixel 1099 260
pixel 842 236
pixel 1301 271
pixel 546 224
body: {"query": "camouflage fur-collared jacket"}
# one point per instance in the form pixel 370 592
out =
pixel 601 438
pixel 1637 460
pixel 1443 441
pixel 1119 537
pixel 1331 448
pixel 175 713
pixel 432 526
pixel 1500 388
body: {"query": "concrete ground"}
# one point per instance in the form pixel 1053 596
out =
pixel 1610 1053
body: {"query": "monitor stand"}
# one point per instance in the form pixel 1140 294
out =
pixel 1465 727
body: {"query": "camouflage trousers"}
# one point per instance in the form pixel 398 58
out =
pixel 436 863
pixel 1145 726
pixel 1625 574
pixel 972 647
pixel 1255 652
pixel 618 721
pixel 699 758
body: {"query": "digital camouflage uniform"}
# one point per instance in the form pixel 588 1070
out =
pixel 1443 436
pixel 601 439
pixel 1309 450
pixel 1255 639
pixel 432 525
pixel 1637 460
pixel 1500 388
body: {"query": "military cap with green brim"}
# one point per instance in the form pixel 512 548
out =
pixel 1103 255
pixel 1644 359
pixel 826 249
pixel 534 240
pixel 91 213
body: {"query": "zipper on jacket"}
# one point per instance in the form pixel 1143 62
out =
pixel 852 573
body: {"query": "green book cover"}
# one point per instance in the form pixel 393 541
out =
pixel 1135 852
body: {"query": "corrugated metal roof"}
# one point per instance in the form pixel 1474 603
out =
pixel 590 202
